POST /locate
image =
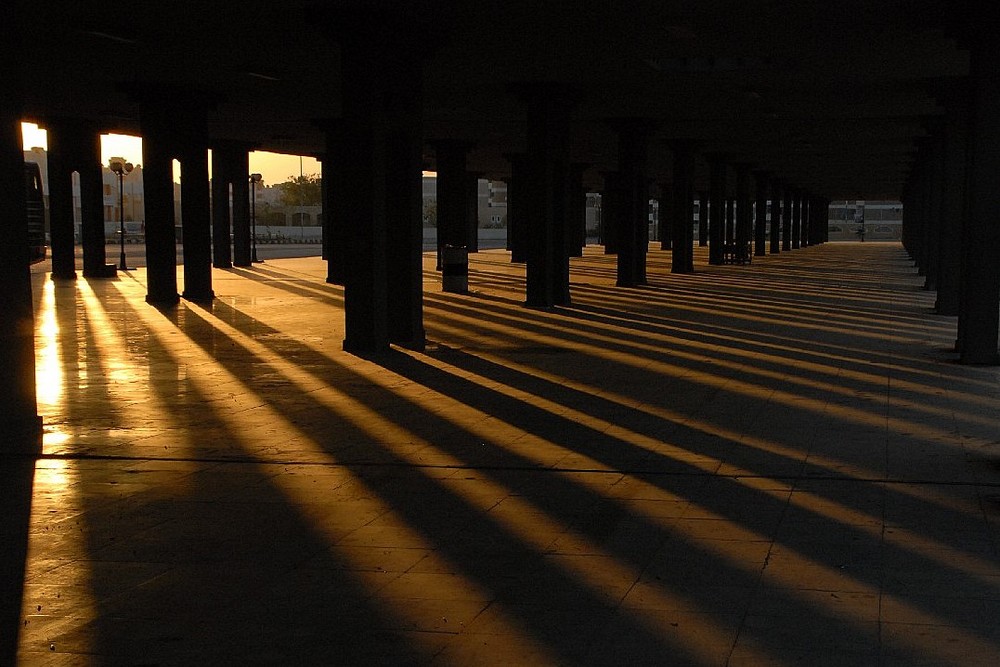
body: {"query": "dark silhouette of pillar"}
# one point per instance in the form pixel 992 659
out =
pixel 682 260
pixel 158 190
pixel 666 221
pixel 703 218
pixel 717 209
pixel 787 218
pixel 86 141
pixel 760 213
pixel 796 222
pixel 380 171
pixel 611 202
pixel 20 424
pixel 953 202
pixel 196 219
pixel 633 224
pixel 979 316
pixel 777 216
pixel 547 271
pixel 242 255
pixel 576 227
pixel 335 213
pixel 62 230
pixel 743 212
pixel 229 167
pixel 452 195
pixel 517 208
pixel 472 209
pixel 729 230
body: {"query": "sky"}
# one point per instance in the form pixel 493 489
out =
pixel 275 167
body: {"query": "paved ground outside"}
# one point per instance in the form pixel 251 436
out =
pixel 774 464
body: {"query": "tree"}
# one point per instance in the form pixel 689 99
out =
pixel 306 190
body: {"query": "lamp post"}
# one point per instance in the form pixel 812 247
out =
pixel 119 166
pixel 254 180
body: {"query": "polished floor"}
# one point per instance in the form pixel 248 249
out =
pixel 774 464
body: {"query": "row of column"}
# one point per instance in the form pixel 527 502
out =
pixel 951 209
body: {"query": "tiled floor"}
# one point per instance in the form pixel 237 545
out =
pixel 771 464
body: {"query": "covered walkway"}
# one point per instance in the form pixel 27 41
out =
pixel 768 464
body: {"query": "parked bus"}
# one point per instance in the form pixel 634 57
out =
pixel 36 211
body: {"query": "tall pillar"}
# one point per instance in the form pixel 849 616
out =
pixel 452 194
pixel 403 76
pixel 729 230
pixel 633 225
pixel 547 271
pixel 953 203
pixel 158 191
pixel 611 202
pixel 743 212
pixel 242 255
pixel 517 209
pixel 87 148
pixel 379 172
pixel 576 228
pixel 20 424
pixel 666 221
pixel 760 213
pixel 334 208
pixel 787 218
pixel 777 216
pixel 229 167
pixel 61 214
pixel 196 219
pixel 682 260
pixel 472 209
pixel 702 218
pixel 796 223
pixel 979 318
pixel 717 209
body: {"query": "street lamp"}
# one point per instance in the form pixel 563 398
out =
pixel 254 180
pixel 119 166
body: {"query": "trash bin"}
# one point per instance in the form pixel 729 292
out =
pixel 455 269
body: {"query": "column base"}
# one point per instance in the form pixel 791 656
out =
pixel 199 297
pixel 107 271
pixel 68 277
pixel 22 437
pixel 163 299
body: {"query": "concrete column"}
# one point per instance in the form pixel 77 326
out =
pixel 761 178
pixel 667 222
pixel 547 280
pixel 777 216
pixel 196 219
pixel 743 212
pixel 633 227
pixel 403 78
pixel 576 231
pixel 229 162
pixel 452 194
pixel 682 260
pixel 61 226
pixel 240 170
pixel 472 209
pixel 702 218
pixel 517 209
pixel 86 142
pixel 953 204
pixel 20 425
pixel 717 209
pixel 980 308
pixel 379 171
pixel 796 222
pixel 158 190
pixel 334 208
pixel 729 230
pixel 787 218
pixel 611 201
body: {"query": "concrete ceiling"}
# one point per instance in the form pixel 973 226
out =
pixel 832 96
